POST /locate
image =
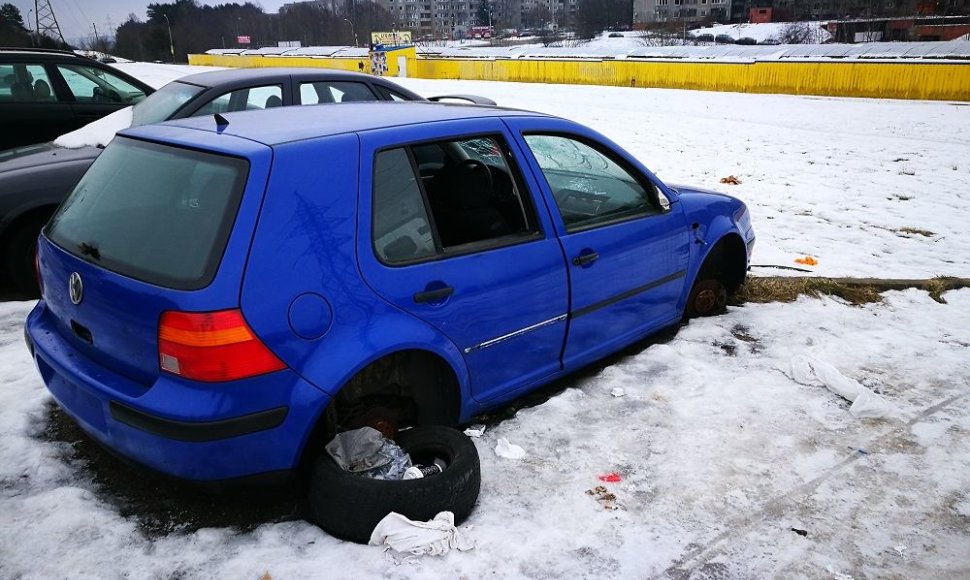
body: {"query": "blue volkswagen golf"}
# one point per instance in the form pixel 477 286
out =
pixel 221 295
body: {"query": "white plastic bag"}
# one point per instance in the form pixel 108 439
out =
pixel 507 450
pixel 865 403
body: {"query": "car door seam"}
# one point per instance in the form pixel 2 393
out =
pixel 627 294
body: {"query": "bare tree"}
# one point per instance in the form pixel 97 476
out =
pixel 798 33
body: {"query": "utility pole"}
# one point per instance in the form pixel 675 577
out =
pixel 171 43
pixel 29 27
pixel 352 31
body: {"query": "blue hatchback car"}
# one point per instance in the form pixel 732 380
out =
pixel 221 295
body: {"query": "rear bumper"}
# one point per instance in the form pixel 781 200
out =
pixel 193 431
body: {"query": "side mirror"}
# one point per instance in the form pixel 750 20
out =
pixel 663 200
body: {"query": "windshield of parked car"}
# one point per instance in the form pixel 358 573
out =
pixel 163 103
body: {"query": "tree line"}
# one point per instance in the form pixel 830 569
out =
pixel 195 28
pixel 185 26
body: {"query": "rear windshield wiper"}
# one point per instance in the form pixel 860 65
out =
pixel 90 250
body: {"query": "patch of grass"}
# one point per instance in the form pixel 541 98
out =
pixel 852 290
pixel 916 232
pixel 936 287
pixel 789 289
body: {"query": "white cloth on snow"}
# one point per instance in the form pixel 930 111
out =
pixel 436 537
pixel 865 403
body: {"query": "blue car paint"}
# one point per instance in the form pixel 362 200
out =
pixel 714 213
pixel 495 289
pixel 645 258
pixel 307 209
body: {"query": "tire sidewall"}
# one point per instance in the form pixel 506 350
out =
pixel 349 506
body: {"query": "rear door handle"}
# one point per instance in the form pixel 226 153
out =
pixel 436 295
pixel 585 258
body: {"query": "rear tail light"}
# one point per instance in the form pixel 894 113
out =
pixel 212 347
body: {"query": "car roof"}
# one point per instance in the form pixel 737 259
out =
pixel 39 51
pixel 285 124
pixel 236 75
pixel 44 54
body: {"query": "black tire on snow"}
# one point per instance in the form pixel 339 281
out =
pixel 19 255
pixel 707 298
pixel 349 506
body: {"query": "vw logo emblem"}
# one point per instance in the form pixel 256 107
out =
pixel 75 287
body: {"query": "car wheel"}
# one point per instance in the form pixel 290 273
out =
pixel 707 298
pixel 18 259
pixel 349 506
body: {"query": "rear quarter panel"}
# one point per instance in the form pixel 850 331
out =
pixel 305 246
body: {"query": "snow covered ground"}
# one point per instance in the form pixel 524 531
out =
pixel 764 32
pixel 729 467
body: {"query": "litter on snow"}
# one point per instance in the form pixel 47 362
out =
pixel 475 431
pixel 618 392
pixel 865 403
pixel 605 497
pixel 435 537
pixel 367 452
pixel 507 450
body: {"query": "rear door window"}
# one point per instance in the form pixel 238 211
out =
pixel 153 212
pixel 248 99
pixel 390 95
pixel 25 83
pixel 334 92
pixel 451 196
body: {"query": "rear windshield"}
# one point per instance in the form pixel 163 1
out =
pixel 153 212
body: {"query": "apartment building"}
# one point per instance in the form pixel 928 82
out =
pixel 656 11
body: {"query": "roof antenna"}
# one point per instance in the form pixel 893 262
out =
pixel 221 123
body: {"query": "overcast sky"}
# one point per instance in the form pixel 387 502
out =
pixel 77 17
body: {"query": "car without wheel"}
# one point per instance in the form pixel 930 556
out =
pixel 35 179
pixel 222 295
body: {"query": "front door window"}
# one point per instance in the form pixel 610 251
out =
pixel 590 187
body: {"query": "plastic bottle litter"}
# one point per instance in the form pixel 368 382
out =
pixel 367 452
pixel 419 471
pixel 476 430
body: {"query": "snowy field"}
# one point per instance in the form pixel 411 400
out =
pixel 732 462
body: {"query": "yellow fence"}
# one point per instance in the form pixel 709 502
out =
pixel 898 80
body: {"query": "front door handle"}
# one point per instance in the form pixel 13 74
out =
pixel 585 258
pixel 436 295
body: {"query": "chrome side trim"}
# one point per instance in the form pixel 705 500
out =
pixel 513 334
